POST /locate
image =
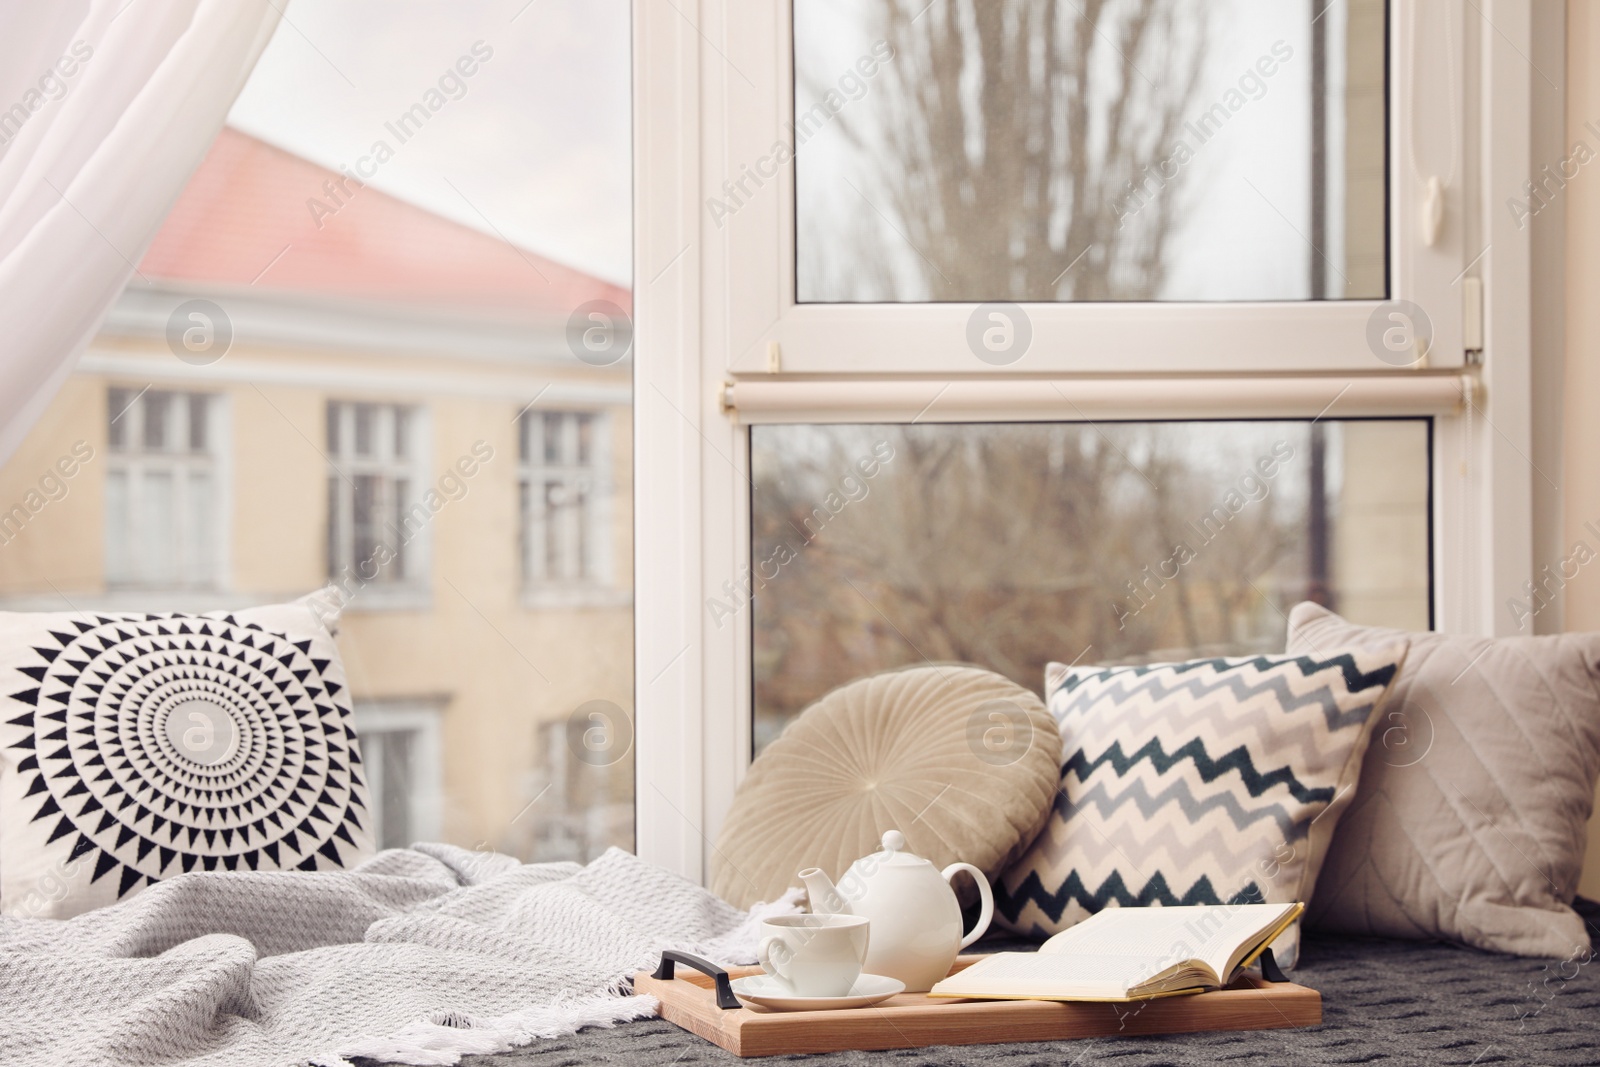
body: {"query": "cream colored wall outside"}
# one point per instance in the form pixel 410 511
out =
pixel 497 666
pixel 280 496
pixel 1383 511
pixel 61 544
pixel 1581 425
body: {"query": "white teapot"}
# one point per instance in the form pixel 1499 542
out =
pixel 914 919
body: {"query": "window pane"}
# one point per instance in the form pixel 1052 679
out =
pixel 402 433
pixel 366 514
pixel 1031 151
pixel 198 426
pixel 335 527
pixel 396 536
pixel 200 564
pixel 531 533
pixel 397 787
pixel 585 437
pixel 119 528
pixel 1013 545
pixel 157 411
pixel 552 438
pixel 117 404
pixel 155 527
pixel 555 531
pixel 394 303
pixel 581 522
pixel 364 418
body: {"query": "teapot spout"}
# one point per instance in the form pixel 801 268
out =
pixel 825 896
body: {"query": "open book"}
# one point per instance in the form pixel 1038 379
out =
pixel 1130 954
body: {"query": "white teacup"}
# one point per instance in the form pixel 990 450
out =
pixel 814 955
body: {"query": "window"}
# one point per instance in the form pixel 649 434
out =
pixel 585 792
pixel 392 295
pixel 1148 188
pixel 400 760
pixel 856 222
pixel 162 495
pixel 1012 545
pixel 1043 152
pixel 374 514
pixel 564 530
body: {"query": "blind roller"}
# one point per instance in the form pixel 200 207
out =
pixel 1099 399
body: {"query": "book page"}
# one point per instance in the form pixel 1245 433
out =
pixel 1035 974
pixel 1216 935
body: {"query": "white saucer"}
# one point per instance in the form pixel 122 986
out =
pixel 768 992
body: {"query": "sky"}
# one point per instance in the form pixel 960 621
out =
pixel 539 145
pixel 538 142
pixel 1244 233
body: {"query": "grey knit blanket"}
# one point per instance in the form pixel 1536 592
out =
pixel 418 956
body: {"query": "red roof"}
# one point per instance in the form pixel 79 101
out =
pixel 243 220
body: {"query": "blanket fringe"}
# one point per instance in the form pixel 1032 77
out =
pixel 442 1041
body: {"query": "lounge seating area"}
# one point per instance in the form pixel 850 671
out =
pixel 838 531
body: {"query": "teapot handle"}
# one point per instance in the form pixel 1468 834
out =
pixel 985 898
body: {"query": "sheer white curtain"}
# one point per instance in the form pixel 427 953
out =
pixel 106 108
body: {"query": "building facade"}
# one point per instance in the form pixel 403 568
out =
pixel 388 401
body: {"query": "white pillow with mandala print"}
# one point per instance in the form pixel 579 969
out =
pixel 135 747
pixel 1214 781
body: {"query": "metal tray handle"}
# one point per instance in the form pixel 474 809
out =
pixel 725 998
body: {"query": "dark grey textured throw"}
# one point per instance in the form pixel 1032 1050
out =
pixel 1389 1003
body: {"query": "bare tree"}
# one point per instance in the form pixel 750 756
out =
pixel 1007 141
pixel 1012 139
pixel 1003 545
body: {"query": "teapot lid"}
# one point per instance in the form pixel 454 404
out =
pixel 894 853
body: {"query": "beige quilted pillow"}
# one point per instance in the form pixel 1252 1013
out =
pixel 1469 823
pixel 959 759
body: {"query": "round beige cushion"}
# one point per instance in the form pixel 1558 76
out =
pixel 959 759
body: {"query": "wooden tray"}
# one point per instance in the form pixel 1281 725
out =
pixel 915 1020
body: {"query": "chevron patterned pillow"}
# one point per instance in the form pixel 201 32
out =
pixel 136 747
pixel 1215 781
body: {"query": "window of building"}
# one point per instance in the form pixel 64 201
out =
pixel 584 789
pixel 163 498
pixel 376 518
pixel 401 759
pixel 565 540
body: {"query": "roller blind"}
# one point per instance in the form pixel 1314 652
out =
pixel 1068 399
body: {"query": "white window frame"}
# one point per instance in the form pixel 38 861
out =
pixel 714 305
pixel 411 588
pixel 749 253
pixel 135 462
